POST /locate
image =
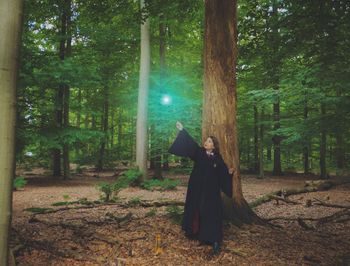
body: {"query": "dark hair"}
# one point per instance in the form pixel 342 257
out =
pixel 216 144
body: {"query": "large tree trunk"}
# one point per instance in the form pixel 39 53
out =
pixel 141 127
pixel 10 28
pixel 219 110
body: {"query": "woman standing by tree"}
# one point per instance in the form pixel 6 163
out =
pixel 203 207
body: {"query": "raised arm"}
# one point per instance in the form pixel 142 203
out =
pixel 184 145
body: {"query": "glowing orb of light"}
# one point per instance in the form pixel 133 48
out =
pixel 166 100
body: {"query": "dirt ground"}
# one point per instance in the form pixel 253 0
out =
pixel 122 234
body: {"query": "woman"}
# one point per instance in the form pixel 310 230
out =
pixel 203 207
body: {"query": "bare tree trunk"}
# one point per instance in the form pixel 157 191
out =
pixel 111 143
pixel 306 141
pixel 66 90
pixel 339 136
pixel 323 170
pixel 159 149
pixel 277 169
pixel 104 140
pixel 60 93
pixel 256 140
pixel 10 31
pixel 120 123
pixel 219 109
pixel 141 127
pixel 261 145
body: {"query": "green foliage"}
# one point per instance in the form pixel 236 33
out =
pixel 174 213
pixel 109 191
pixel 294 52
pixel 134 201
pixel 130 177
pixel 151 213
pixel 156 184
pixel 19 182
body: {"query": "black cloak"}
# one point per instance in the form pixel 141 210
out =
pixel 203 207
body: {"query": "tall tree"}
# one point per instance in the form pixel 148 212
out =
pixel 67 10
pixel 141 125
pixel 219 110
pixel 10 28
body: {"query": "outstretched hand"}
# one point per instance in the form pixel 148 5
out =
pixel 179 126
pixel 231 170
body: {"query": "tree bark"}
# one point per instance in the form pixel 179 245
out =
pixel 219 109
pixel 277 169
pixel 261 145
pixel 162 72
pixel 120 124
pixel 141 127
pixel 66 90
pixel 60 92
pixel 306 141
pixel 256 140
pixel 104 140
pixel 323 170
pixel 10 32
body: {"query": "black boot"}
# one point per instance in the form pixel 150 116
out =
pixel 216 248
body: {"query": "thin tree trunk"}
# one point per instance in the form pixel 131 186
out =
pixel 159 147
pixel 340 150
pixel 256 140
pixel 60 93
pixel 66 91
pixel 104 140
pixel 323 170
pixel 120 123
pixel 306 142
pixel 219 109
pixel 10 31
pixel 111 143
pixel 141 127
pixel 277 169
pixel 261 145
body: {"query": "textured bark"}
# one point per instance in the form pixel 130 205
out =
pixel 10 28
pixel 142 110
pixel 219 109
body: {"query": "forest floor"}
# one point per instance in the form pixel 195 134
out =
pixel 125 233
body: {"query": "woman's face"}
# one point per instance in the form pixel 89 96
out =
pixel 209 144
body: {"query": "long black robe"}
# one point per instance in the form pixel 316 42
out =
pixel 203 200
